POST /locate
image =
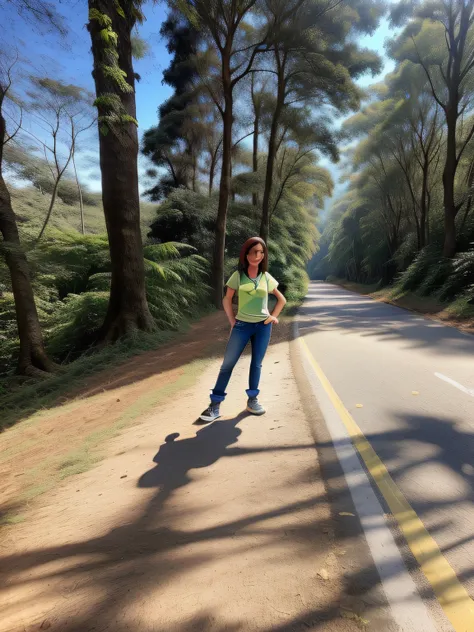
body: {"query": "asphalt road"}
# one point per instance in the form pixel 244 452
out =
pixel 409 384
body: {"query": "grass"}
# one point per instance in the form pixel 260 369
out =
pixel 461 309
pixel 88 453
pixel 83 458
pixel 30 399
pixel 360 288
pixel 458 312
pixel 31 206
pixel 11 519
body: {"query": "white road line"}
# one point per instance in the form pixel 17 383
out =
pixel 408 608
pixel 468 391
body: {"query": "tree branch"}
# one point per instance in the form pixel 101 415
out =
pixel 464 145
pixel 241 139
pixel 255 52
pixel 433 91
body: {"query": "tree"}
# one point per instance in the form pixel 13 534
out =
pixel 79 191
pixel 171 144
pixel 40 12
pixel 65 110
pixel 259 95
pixel 110 27
pixel 314 63
pixel 408 132
pixel 440 39
pixel 22 161
pixel 33 359
pixel 227 24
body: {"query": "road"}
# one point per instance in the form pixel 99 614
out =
pixel 408 382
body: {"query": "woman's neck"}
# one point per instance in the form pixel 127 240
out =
pixel 252 272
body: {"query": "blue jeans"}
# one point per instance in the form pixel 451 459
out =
pixel 259 336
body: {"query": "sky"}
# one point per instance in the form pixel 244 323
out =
pixel 71 61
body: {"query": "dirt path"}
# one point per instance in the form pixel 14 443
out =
pixel 179 528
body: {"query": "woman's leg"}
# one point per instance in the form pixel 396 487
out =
pixel 238 340
pixel 260 341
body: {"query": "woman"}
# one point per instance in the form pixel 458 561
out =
pixel 253 322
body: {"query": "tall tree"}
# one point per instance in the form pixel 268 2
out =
pixel 408 131
pixel 33 359
pixel 258 94
pixel 171 143
pixel 440 38
pixel 227 24
pixel 314 63
pixel 110 27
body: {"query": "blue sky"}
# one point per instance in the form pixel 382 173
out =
pixel 71 61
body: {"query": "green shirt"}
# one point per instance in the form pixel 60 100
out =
pixel 253 302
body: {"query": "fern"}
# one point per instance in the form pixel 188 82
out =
pixel 71 277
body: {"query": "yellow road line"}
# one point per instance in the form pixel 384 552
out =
pixel 451 594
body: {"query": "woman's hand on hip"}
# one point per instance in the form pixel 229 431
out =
pixel 271 320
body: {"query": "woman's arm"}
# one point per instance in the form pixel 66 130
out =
pixel 281 302
pixel 227 303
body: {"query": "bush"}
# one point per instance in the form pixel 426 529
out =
pixel 435 277
pixel 71 279
pixel 414 275
pixel 462 275
pixel 74 324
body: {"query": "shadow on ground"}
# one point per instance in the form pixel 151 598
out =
pixel 329 307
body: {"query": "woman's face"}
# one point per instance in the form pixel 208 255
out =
pixel 256 255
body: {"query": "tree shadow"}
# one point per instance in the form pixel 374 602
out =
pixel 153 556
pixel 327 308
pixel 206 340
pixel 130 561
pixel 448 519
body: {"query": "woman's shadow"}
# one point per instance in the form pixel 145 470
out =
pixel 176 457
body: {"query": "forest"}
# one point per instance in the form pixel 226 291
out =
pixel 265 98
pixel 405 220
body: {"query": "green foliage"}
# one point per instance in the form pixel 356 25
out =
pixel 413 276
pixel 436 275
pixel 19 400
pixel 101 18
pixel 71 280
pixel 393 226
pixel 28 166
pixel 9 342
pixel 461 277
pixel 73 324
pixel 119 76
pixel 140 47
pixel 112 113
pixel 30 206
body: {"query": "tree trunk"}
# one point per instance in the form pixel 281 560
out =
pixel 212 170
pixel 470 181
pixel 224 187
pixel 33 359
pixel 231 175
pixel 50 209
pixel 128 308
pixel 428 229
pixel 423 204
pixel 256 133
pixel 194 174
pixel 449 174
pixel 79 190
pixel 272 150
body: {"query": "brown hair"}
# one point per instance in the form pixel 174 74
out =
pixel 246 248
